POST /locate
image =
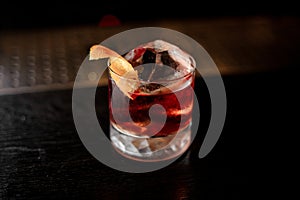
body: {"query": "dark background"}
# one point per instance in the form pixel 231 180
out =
pixel 24 14
pixel 42 157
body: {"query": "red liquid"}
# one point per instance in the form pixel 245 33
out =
pixel 177 108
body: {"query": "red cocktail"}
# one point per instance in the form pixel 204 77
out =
pixel 151 120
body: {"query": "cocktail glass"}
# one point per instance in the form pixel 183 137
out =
pixel 151 107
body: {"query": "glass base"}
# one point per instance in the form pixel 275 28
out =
pixel 151 149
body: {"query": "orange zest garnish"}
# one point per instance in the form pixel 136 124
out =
pixel 122 72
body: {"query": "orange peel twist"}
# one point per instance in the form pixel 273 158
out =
pixel 121 71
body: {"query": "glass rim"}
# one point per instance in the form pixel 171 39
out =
pixel 189 73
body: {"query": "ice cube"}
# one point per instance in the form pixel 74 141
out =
pixel 147 88
pixel 160 45
pixel 162 72
pixel 149 56
pixel 168 61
